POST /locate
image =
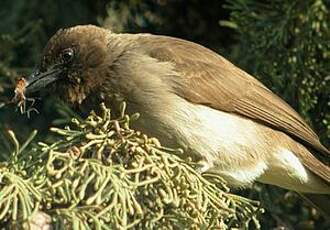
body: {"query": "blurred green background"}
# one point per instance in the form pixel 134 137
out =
pixel 284 43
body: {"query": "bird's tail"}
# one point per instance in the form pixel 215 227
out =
pixel 320 201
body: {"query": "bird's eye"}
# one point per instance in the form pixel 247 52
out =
pixel 67 55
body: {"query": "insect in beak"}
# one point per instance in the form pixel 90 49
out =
pixel 21 99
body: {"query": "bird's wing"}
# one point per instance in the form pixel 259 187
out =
pixel 209 79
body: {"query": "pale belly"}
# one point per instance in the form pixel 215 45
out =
pixel 239 149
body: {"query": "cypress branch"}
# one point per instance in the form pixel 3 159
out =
pixel 101 174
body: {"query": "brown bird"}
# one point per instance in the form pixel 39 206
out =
pixel 189 97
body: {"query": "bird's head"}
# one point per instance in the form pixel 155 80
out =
pixel 73 63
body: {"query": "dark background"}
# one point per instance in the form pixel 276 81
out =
pixel 284 43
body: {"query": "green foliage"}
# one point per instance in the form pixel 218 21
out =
pixel 104 175
pixel 286 44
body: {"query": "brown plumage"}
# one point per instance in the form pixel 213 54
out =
pixel 189 97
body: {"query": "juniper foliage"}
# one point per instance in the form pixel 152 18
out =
pixel 101 174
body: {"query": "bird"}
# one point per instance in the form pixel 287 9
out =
pixel 188 97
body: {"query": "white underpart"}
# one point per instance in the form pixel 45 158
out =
pixel 228 143
pixel 288 171
pixel 291 165
pixel 233 146
pixel 225 143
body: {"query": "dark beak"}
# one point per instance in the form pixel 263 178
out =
pixel 39 80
